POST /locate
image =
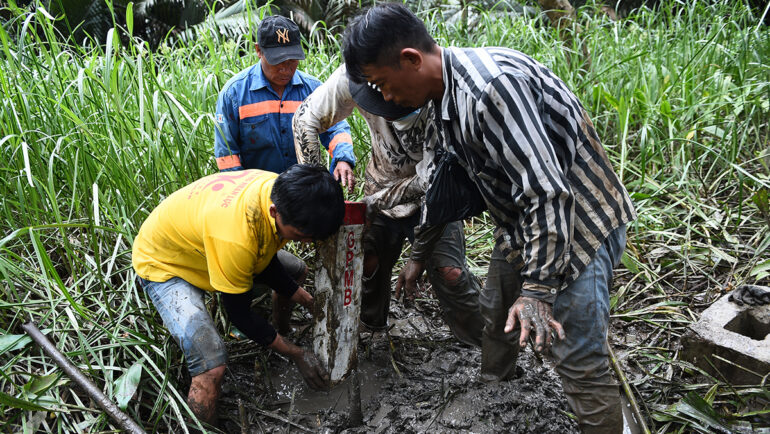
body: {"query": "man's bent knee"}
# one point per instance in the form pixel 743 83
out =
pixel 302 275
pixel 371 265
pixel 450 275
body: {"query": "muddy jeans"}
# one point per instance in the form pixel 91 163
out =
pixel 459 299
pixel 182 307
pixel 583 309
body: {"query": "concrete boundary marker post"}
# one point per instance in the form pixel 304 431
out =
pixel 339 271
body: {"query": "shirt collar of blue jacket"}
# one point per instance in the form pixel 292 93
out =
pixel 259 81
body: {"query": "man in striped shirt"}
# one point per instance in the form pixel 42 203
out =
pixel 529 146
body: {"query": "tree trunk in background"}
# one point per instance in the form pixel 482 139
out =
pixel 560 12
pixel 562 16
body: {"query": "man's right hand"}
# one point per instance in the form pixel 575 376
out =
pixel 303 298
pixel 343 173
pixel 314 374
pixel 532 313
pixel 408 279
pixel 309 367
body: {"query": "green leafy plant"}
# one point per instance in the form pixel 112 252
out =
pixel 94 136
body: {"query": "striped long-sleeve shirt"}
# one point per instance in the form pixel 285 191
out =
pixel 530 147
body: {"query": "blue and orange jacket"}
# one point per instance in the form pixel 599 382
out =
pixel 253 124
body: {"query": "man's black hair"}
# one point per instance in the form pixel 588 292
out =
pixel 377 36
pixel 310 199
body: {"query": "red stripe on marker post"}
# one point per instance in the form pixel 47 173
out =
pixel 355 213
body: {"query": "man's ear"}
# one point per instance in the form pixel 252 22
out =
pixel 273 210
pixel 411 58
pixel 259 51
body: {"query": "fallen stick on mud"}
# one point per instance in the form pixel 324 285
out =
pixel 627 389
pixel 280 418
pixel 242 417
pixel 392 352
pixel 121 418
pixel 261 371
pixel 442 407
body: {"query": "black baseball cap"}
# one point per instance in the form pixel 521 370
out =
pixel 279 39
pixel 369 98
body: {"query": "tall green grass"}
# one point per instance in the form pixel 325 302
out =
pixel 93 138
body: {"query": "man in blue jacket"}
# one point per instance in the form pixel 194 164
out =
pixel 253 125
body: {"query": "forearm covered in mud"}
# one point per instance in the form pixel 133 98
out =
pixel 306 127
pixel 329 104
pixel 402 192
pixel 238 309
pixel 283 346
pixel 425 239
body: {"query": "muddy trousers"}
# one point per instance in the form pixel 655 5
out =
pixel 384 240
pixel 582 358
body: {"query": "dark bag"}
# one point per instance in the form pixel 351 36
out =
pixel 452 195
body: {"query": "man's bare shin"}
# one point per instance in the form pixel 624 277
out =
pixel 204 393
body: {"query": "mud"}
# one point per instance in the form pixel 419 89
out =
pixel 415 378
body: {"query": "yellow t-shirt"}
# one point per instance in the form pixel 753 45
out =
pixel 215 233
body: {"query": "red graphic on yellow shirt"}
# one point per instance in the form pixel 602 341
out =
pixel 219 181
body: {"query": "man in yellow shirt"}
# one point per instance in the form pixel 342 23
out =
pixel 221 234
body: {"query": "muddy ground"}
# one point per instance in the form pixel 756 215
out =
pixel 415 378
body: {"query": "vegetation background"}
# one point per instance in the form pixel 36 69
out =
pixel 97 128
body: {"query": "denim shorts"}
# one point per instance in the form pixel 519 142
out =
pixel 182 307
pixel 183 310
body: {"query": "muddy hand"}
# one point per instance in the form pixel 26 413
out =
pixel 751 295
pixel 344 174
pixel 533 313
pixel 303 298
pixel 314 374
pixel 408 279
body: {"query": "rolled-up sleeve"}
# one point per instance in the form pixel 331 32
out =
pixel 339 143
pixel 320 121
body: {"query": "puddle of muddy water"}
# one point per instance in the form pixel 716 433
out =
pixel 287 381
pixel 418 379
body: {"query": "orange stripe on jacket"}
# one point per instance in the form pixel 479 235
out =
pixel 339 138
pixel 265 107
pixel 228 162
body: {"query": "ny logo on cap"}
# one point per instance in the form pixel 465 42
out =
pixel 283 36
